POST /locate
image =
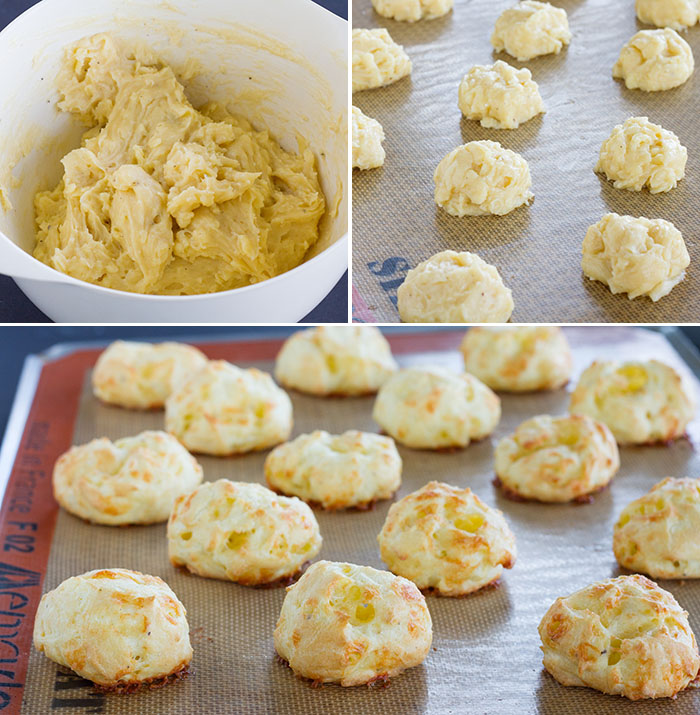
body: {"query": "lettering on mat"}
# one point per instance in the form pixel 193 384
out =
pixel 390 274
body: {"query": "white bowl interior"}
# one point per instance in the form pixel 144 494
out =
pixel 282 64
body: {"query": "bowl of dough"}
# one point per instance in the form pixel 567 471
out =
pixel 179 161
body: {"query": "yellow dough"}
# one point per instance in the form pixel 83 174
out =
pixel 453 287
pixel 655 60
pixel 677 14
pixel 530 29
pixel 412 10
pixel 640 154
pixel 637 256
pixel 481 178
pixel 499 96
pixel 367 138
pixel 162 198
pixel 377 60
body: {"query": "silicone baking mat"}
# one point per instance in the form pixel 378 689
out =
pixel 537 249
pixel 485 656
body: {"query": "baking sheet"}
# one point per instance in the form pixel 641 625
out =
pixel 537 250
pixel 486 656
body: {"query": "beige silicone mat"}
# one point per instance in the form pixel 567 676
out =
pixel 537 250
pixel 486 656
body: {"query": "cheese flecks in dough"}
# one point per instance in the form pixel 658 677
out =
pixel 481 178
pixel 530 29
pixel 162 198
pixel 367 138
pixel 637 256
pixel 377 60
pixel 639 153
pixel 453 287
pixel 655 60
pixel 499 96
pixel 676 14
pixel 412 10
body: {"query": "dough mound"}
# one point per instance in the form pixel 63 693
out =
pixel 518 359
pixel 412 10
pixel 353 469
pixel 639 153
pixel 499 96
pixel 637 256
pixel 557 459
pixel 241 532
pixel 481 178
pixel 134 480
pixel 657 533
pixel 677 14
pixel 142 375
pixel 655 60
pixel 367 138
pixel 377 60
pixel 165 199
pixel 114 627
pixel 641 402
pixel 348 624
pixel 531 29
pixel 447 539
pixel 335 360
pixel 435 408
pixel 454 287
pixel 224 410
pixel 624 636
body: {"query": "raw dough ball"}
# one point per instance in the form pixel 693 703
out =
pixel 376 60
pixel 557 459
pixel 353 469
pixel 624 636
pixel 241 532
pixel 434 408
pixel 134 480
pixel 165 199
pixel 636 256
pixel 447 539
pixel 677 14
pixel 335 360
pixel 482 178
pixel 412 10
pixel 367 138
pixel 225 410
pixel 654 60
pixel 639 153
pixel 114 627
pixel 499 96
pixel 657 534
pixel 142 375
pixel 531 29
pixel 348 624
pixel 641 402
pixel 518 359
pixel 454 287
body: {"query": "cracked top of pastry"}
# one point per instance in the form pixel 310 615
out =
pixel 166 199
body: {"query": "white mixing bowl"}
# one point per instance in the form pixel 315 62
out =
pixel 296 54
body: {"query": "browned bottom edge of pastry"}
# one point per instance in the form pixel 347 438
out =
pixel 181 672
pixel 515 496
pixel 378 681
pixel 282 581
pixel 432 591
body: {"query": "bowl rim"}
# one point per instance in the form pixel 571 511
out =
pixel 342 240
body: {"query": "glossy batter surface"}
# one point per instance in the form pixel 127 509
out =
pixel 164 198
